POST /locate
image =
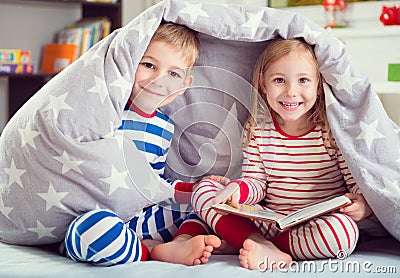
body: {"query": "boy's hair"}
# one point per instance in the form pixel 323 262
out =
pixel 181 37
pixel 277 49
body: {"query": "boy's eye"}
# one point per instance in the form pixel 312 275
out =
pixel 174 74
pixel 279 80
pixel 148 65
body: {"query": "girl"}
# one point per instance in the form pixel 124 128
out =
pixel 290 161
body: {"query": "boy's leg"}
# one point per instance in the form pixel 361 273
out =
pixel 159 222
pixel 101 238
pixel 192 244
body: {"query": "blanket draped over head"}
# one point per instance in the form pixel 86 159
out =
pixel 60 155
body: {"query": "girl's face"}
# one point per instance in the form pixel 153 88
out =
pixel 291 85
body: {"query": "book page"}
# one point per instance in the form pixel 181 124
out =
pixel 312 211
pixel 249 211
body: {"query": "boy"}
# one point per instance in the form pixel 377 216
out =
pixel 100 236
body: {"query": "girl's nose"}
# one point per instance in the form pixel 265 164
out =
pixel 291 90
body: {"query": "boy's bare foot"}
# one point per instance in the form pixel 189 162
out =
pixel 257 251
pixel 187 250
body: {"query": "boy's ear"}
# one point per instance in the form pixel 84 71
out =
pixel 186 84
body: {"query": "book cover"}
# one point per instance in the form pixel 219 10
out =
pixel 283 222
pixel 57 56
pixel 15 56
pixel 71 35
pixel 16 68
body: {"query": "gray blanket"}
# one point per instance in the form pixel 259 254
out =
pixel 60 155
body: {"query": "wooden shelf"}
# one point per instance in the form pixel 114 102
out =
pixel 22 86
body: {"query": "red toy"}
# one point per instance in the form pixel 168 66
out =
pixel 390 15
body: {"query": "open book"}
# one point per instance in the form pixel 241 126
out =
pixel 283 222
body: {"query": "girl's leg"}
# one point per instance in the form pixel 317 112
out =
pixel 242 233
pixel 101 238
pixel 329 236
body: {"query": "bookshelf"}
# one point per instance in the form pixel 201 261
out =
pixel 21 87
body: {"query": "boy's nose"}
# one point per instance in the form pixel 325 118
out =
pixel 157 78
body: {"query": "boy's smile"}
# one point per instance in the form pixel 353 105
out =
pixel 161 76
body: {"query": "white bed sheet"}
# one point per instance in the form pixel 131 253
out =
pixel 374 255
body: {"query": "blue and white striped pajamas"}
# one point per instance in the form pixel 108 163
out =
pixel 100 236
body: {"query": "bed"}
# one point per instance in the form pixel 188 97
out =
pixel 60 156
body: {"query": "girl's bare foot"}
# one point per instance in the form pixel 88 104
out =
pixel 187 250
pixel 259 253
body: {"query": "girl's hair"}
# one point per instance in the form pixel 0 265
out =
pixel 275 50
pixel 181 37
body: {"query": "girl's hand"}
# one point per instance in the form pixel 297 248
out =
pixel 219 179
pixel 358 209
pixel 229 195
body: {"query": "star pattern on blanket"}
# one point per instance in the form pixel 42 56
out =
pixel 116 180
pixel 53 198
pixel 42 231
pixel 69 164
pixel 193 10
pixel 345 81
pixel 14 174
pixel 27 137
pixel 369 132
pixel 43 159
pixel 255 22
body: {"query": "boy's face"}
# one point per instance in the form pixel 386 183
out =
pixel 161 76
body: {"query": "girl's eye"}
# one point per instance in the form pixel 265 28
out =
pixel 148 65
pixel 303 80
pixel 174 74
pixel 279 80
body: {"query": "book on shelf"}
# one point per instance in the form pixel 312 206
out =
pixel 284 222
pixel 15 61
pixel 16 68
pixel 15 56
pixel 57 56
pixel 85 33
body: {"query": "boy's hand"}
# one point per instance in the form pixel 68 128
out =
pixel 229 195
pixel 219 179
pixel 358 209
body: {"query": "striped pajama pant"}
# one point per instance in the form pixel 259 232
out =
pixel 328 236
pixel 102 238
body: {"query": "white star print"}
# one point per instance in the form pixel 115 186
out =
pixel 53 198
pixel 308 34
pixel 57 103
pixel 194 11
pixel 27 136
pixel 87 59
pixel 391 187
pixel 42 231
pixel 123 84
pixel 68 164
pixel 116 180
pixel 99 88
pixel 5 210
pixel 14 174
pixel 154 190
pixel 112 131
pixel 144 27
pixel 254 22
pixel 345 80
pixel 369 132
